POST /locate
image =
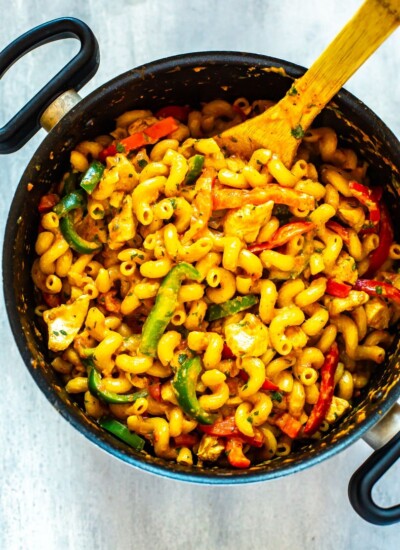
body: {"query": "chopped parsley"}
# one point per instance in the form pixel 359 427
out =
pixel 293 90
pixel 63 332
pixel 137 255
pixel 378 290
pixel 282 212
pixel 98 212
pixel 276 396
pixel 297 132
pixel 120 148
pixel 368 225
pixel 182 330
pixel 142 163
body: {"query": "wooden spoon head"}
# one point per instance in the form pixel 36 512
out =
pixel 237 145
pixel 282 127
pixel 277 129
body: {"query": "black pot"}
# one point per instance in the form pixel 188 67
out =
pixel 186 79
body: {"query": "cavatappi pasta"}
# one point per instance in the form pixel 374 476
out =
pixel 216 309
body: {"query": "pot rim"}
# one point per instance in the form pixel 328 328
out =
pixel 211 477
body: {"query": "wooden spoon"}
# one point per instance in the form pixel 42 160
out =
pixel 281 127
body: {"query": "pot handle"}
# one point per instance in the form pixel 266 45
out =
pixel 363 480
pixel 74 75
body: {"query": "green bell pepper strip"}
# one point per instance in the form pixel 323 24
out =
pixel 164 307
pixel 184 385
pixel 70 183
pixel 75 199
pixel 74 240
pixel 230 307
pixel 94 384
pixel 122 432
pixel 194 170
pixel 92 176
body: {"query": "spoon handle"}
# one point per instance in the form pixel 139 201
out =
pixel 282 127
pixel 362 35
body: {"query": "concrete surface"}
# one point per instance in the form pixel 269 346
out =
pixel 58 491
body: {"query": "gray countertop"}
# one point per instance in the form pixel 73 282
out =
pixel 57 490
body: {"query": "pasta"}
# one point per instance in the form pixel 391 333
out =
pixel 213 308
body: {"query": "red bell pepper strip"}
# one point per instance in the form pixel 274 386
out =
pixel 227 428
pixel 47 203
pixel 340 230
pixel 151 134
pixel 221 428
pixel 337 288
pixel 267 385
pixel 376 194
pixel 161 128
pixel 52 300
pixel 234 452
pixel 282 236
pixel 256 441
pixel 366 197
pixel 227 353
pixel 155 391
pixel 132 142
pixel 378 257
pixel 288 424
pixel 176 111
pixel 378 288
pixel 270 386
pixel 186 440
pixel 326 389
pixel 109 151
pixel 224 197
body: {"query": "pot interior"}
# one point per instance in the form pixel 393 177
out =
pixel 189 79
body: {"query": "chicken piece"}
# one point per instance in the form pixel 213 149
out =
pixel 65 321
pixel 354 299
pixel 127 176
pixel 122 227
pixel 110 302
pixel 378 314
pixel 246 222
pixel 92 230
pixel 210 448
pixel 351 213
pixel 337 409
pixel 345 269
pixel 141 124
pixel 249 337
